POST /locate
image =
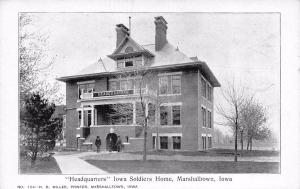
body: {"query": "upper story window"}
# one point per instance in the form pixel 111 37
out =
pixel 128 49
pixel 170 84
pixel 134 61
pixel 129 63
pixel 209 119
pixel 121 84
pixel 206 89
pixel 203 117
pixel 85 88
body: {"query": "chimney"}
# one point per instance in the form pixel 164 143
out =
pixel 122 31
pixel 160 32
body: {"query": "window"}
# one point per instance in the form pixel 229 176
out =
pixel 176 84
pixel 203 87
pixel 209 92
pixel 176 115
pixel 79 118
pixel 203 142
pixel 130 84
pixel 170 84
pixel 123 85
pixel 128 49
pixel 209 141
pixel 163 115
pixel 209 119
pixel 114 85
pixel 163 85
pixel 128 63
pixel 176 142
pixel 89 117
pixel 85 88
pixel 154 142
pixel 206 89
pixel 120 64
pixel 203 117
pixel 138 61
pixel 163 142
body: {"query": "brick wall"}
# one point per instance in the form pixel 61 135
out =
pixel 189 112
pixel 72 114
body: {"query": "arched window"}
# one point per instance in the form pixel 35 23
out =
pixel 128 49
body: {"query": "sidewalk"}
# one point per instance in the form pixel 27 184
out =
pixel 72 164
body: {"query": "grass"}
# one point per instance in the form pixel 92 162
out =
pixel 41 166
pixel 155 166
pixel 214 152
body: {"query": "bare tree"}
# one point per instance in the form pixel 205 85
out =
pixel 230 112
pixel 148 102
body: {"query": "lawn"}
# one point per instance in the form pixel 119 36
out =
pixel 214 152
pixel 156 166
pixel 41 167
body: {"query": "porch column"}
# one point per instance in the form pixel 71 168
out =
pixel 93 115
pixel 82 117
pixel 96 123
pixel 134 113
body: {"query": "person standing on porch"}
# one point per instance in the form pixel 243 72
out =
pixel 98 143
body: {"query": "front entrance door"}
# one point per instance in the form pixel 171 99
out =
pixel 111 140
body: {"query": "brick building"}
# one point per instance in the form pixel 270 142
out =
pixel 184 120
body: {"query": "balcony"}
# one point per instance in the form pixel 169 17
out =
pixel 118 94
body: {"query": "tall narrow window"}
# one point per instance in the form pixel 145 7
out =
pixel 209 142
pixel 154 142
pixel 163 142
pixel 176 115
pixel 163 85
pixel 203 142
pixel 89 117
pixel 209 93
pixel 203 87
pixel 163 115
pixel 79 118
pixel 203 117
pixel 176 84
pixel 209 119
pixel 176 142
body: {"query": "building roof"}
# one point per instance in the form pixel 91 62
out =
pixel 167 57
pixel 140 48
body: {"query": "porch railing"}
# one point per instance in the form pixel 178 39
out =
pixel 145 91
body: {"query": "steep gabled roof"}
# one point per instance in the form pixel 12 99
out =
pixel 128 39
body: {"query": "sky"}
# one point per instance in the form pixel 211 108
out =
pixel 245 47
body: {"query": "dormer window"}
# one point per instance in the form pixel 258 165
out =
pixel 128 64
